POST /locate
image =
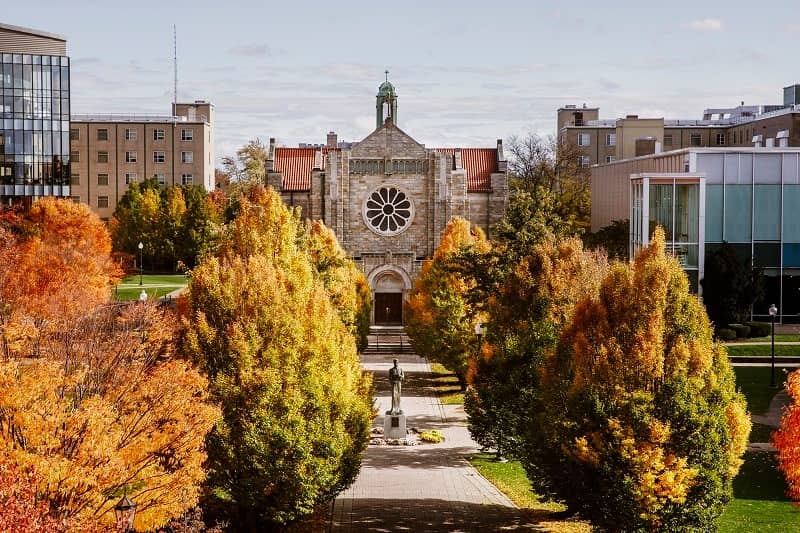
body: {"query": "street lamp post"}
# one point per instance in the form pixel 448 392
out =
pixel 772 312
pixel 141 265
pixel 126 513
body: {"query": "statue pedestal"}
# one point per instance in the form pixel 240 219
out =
pixel 394 426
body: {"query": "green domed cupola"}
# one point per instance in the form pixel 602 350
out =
pixel 386 103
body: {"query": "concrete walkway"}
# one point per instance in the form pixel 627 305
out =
pixel 430 487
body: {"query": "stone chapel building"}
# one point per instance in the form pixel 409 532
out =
pixel 388 197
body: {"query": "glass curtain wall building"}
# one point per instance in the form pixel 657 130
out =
pixel 34 115
pixel 673 203
pixel 747 197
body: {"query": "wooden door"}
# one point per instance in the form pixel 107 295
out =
pixel 388 308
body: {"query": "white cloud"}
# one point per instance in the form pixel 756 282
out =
pixel 706 25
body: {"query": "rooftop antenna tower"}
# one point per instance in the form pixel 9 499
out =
pixel 175 68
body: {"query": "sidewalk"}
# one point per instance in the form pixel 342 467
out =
pixel 430 487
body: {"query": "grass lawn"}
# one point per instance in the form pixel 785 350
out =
pixel 778 338
pixel 759 503
pixel 446 384
pixel 763 349
pixel 753 381
pixel 510 478
pixel 154 285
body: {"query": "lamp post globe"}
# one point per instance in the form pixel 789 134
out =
pixel 126 513
pixel 141 266
pixel 773 311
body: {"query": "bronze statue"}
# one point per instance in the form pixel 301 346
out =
pixel 396 379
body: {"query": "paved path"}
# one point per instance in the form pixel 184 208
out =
pixel 430 487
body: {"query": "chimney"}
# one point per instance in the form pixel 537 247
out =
pixel 501 158
pixel 632 117
pixel 333 140
pixel 770 143
pixel 270 163
pixel 783 138
pixel 318 159
pixel 758 140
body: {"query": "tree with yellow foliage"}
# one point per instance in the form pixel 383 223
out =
pixel 644 428
pixel 347 287
pixel 439 320
pixel 296 404
pixel 106 408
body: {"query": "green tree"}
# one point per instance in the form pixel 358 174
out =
pixel 614 239
pixel 552 174
pixel 282 365
pixel 527 312
pixel 730 286
pixel 645 430
pixel 174 223
pixel 439 320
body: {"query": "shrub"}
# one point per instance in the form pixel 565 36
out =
pixel 742 331
pixel 759 329
pixel 433 436
pixel 726 334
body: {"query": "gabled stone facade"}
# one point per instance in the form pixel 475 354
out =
pixel 388 198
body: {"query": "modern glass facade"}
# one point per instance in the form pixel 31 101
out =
pixel 34 126
pixel 749 198
pixel 674 204
pixel 754 204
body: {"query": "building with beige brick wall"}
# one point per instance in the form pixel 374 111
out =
pixel 388 197
pixel 606 140
pixel 108 152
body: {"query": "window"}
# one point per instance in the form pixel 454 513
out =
pixel 611 139
pixel 75 179
pixel 161 179
pixel 720 139
pixel 584 161
pixel 187 135
pixel 74 134
pixel 130 157
pixel 130 177
pixel 102 134
pixel 668 139
pixel 584 139
pixel 76 199
pixel 187 179
pixel 130 134
pixel 187 157
pixel 610 158
pixel 158 135
pixel 102 157
pixel 388 211
pixel 159 157
pixel 74 157
pixel 102 179
pixel 695 139
pixel 102 201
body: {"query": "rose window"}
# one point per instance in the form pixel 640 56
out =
pixel 388 211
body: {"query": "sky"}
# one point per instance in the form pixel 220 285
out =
pixel 466 72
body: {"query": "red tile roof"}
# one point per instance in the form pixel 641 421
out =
pixel 479 163
pixel 296 164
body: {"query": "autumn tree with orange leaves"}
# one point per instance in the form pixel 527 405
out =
pixel 644 428
pixel 439 320
pixel 787 437
pixel 92 397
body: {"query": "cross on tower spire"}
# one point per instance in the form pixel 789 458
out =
pixel 387 75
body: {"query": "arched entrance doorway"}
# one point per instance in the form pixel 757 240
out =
pixel 388 287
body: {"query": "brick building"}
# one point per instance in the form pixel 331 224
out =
pixel 607 140
pixel 388 197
